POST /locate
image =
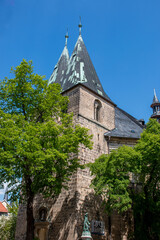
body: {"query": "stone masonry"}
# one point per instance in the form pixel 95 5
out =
pixel 66 213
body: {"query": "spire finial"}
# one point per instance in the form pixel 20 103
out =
pixel 66 37
pixel 80 26
pixel 155 99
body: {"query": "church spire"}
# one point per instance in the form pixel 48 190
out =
pixel 78 69
pixel 156 107
pixel 80 26
pixel 61 66
pixel 81 70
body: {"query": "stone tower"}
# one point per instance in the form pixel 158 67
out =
pixel 111 127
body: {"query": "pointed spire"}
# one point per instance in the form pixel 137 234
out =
pixel 66 37
pixel 61 65
pixel 80 26
pixel 155 99
pixel 81 70
pixel 156 107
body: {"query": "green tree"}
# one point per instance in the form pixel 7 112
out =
pixel 130 178
pixel 8 223
pixel 38 140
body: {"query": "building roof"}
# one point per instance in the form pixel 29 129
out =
pixel 60 67
pixel 3 209
pixel 126 126
pixel 78 69
pixel 81 70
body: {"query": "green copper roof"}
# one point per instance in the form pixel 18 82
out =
pixel 81 70
pixel 60 67
pixel 77 69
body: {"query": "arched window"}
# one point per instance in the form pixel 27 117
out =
pixel 42 214
pixel 97 110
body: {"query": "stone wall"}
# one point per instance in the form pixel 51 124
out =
pixel 66 213
pixel 114 142
pixel 86 108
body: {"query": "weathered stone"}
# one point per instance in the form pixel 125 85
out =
pixel 66 213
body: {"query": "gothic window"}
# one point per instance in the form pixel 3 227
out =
pixel 97 110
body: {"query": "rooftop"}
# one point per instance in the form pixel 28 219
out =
pixel 79 68
pixel 3 209
pixel 126 126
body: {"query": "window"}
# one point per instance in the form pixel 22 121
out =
pixel 97 110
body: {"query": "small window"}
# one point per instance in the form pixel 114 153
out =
pixel 97 110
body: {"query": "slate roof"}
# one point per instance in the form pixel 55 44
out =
pixel 77 69
pixel 60 67
pixel 126 126
pixel 81 70
pixel 2 208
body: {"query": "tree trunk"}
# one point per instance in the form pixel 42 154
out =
pixel 147 215
pixel 30 218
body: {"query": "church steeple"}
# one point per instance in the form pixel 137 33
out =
pixel 81 70
pixel 156 107
pixel 78 69
pixel 61 66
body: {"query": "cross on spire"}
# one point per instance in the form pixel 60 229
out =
pixel 80 26
pixel 66 37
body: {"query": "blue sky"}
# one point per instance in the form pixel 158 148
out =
pixel 121 36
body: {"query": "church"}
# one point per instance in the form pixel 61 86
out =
pixel 62 218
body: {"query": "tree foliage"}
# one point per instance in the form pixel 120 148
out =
pixel 130 178
pixel 8 223
pixel 38 140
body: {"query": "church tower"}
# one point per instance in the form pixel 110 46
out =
pixel 111 127
pixel 156 107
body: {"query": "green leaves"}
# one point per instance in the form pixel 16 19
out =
pixel 38 140
pixel 28 94
pixel 8 223
pixel 112 177
pixel 131 178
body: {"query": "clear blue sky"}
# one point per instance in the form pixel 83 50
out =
pixel 122 38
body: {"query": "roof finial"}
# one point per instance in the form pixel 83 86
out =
pixel 155 99
pixel 80 25
pixel 66 37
